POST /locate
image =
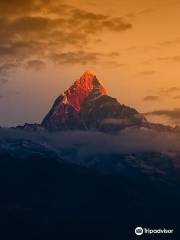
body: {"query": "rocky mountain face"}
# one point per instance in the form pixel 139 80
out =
pixel 86 105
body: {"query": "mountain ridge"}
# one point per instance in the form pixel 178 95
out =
pixel 87 105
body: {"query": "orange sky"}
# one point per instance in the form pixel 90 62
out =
pixel 133 46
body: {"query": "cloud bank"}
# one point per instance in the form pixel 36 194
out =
pixel 173 115
pixel 133 152
pixel 88 143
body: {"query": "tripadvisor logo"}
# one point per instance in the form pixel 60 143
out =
pixel 140 231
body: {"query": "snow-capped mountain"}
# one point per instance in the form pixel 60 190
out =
pixel 86 105
pixel 65 112
pixel 53 178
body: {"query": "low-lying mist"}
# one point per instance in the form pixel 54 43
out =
pixel 131 152
pixel 89 143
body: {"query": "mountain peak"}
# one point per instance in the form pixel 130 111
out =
pixel 88 73
pixel 68 105
pixel 86 105
pixel 89 80
pixel 87 76
pixel 82 88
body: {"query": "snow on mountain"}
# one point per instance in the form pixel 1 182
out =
pixel 86 105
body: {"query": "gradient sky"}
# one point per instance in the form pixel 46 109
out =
pixel 133 46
